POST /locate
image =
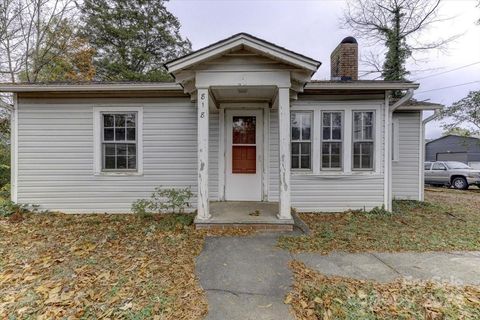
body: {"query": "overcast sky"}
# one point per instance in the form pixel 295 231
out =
pixel 312 28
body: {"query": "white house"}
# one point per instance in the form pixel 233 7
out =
pixel 243 121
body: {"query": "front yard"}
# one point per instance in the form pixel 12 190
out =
pixel 100 266
pixel 448 220
pixel 132 267
pixel 315 296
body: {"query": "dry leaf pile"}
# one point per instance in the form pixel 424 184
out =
pixel 315 296
pixel 100 266
pixel 448 221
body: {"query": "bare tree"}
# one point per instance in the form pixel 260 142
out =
pixel 24 29
pixel 398 24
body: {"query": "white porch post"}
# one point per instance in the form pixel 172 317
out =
pixel 202 133
pixel 284 156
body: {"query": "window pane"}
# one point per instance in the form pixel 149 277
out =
pixel 121 162
pixel 131 134
pixel 305 148
pixel 336 133
pixel 367 118
pixel 295 162
pixel 132 149
pixel 107 120
pixel 121 149
pixel 438 166
pixel 110 149
pixel 335 161
pixel 295 148
pixel 356 148
pixel 366 161
pixel 294 119
pixel 130 120
pixel 244 130
pixel 336 147
pixel 305 162
pixel 119 120
pixel 326 133
pixel 368 133
pixel 367 148
pixel 356 161
pixel 326 119
pixel 295 133
pixel 325 161
pixel 336 119
pixel 110 162
pixel 325 148
pixel 427 166
pixel 108 134
pixel 132 162
pixel 119 134
pixel 306 133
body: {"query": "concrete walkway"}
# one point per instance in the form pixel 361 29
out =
pixel 248 277
pixel 459 268
pixel 245 278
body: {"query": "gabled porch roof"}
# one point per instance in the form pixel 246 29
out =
pixel 238 41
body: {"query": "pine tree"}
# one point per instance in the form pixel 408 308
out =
pixel 132 38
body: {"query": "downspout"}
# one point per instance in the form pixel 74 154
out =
pixel 388 149
pixel 436 114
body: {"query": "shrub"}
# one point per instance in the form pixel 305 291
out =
pixel 173 200
pixel 5 191
pixel 9 208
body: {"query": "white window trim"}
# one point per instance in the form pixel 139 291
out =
pixel 97 139
pixel 311 141
pixel 347 108
pixel 341 141
pixel 374 141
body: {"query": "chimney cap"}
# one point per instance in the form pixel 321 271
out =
pixel 349 40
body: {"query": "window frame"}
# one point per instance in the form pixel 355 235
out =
pixel 374 128
pixel 98 136
pixel 116 142
pixel 341 141
pixel 311 140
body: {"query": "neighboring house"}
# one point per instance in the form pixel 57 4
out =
pixel 242 122
pixel 454 148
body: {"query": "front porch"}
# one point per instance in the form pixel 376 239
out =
pixel 251 214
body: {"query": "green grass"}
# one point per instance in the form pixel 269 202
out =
pixel 448 220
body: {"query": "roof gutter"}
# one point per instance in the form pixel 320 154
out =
pixel 436 114
pixel 404 99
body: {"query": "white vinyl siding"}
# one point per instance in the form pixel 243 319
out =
pixel 56 151
pixel 406 171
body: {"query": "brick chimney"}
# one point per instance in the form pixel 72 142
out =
pixel 344 60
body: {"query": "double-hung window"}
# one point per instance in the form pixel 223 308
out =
pixel 363 140
pixel 301 131
pixel 119 141
pixel 331 140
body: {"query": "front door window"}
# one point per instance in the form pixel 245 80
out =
pixel 244 148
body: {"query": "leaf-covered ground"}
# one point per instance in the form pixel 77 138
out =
pixel 448 220
pixel 100 266
pixel 315 296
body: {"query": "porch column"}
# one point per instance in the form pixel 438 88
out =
pixel 284 156
pixel 202 154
